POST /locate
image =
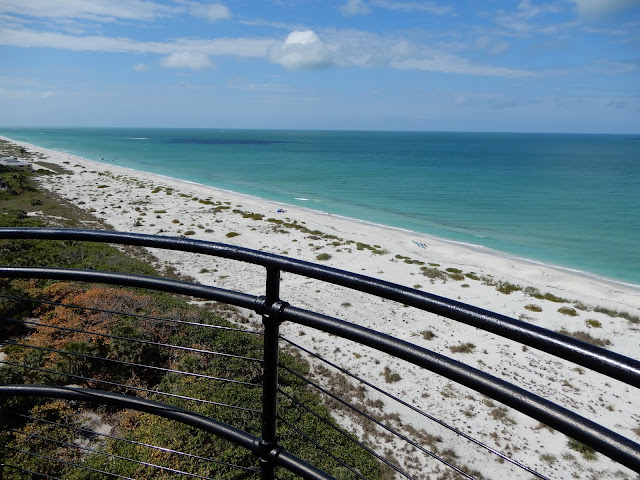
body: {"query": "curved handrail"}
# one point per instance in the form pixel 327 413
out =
pixel 584 430
pixel 595 358
pixel 598 359
pixel 241 438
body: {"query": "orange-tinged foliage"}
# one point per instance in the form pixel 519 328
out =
pixel 103 300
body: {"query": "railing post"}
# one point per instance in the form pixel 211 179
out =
pixel 271 322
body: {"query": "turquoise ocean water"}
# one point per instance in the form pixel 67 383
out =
pixel 568 200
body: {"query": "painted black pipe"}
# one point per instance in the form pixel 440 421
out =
pixel 613 365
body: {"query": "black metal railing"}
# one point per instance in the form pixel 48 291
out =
pixel 267 445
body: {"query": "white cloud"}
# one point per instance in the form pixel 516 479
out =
pixel 100 10
pixel 354 7
pixel 597 9
pixel 428 7
pixel 192 60
pixel 22 94
pixel 140 67
pixel 447 63
pixel 243 47
pixel 212 12
pixel 494 47
pixel 302 50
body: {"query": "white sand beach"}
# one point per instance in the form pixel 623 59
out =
pixel 135 201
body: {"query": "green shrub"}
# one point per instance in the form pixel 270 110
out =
pixel 533 307
pixel 232 234
pixel 507 288
pixel 431 272
pixel 568 311
pixel 593 323
pixel 463 348
pixel 428 334
pixel 391 377
pixel 587 453
pixel 586 337
pixel 323 256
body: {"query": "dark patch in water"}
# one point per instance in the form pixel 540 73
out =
pixel 226 141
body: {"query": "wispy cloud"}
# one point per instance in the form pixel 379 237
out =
pixel 489 44
pixel 102 10
pixel 242 46
pixel 212 12
pixel 354 7
pixel 22 94
pixel 427 7
pixel 300 50
pixel 192 60
pixel 599 9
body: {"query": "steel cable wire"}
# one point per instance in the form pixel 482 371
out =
pixel 69 464
pixel 133 364
pixel 136 340
pixel 345 434
pixel 421 412
pixel 320 447
pixel 131 314
pixel 133 442
pixel 111 455
pixel 141 389
pixel 380 424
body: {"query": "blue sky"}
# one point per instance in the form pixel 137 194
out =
pixel 532 66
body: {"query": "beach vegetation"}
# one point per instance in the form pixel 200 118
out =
pixel 232 234
pixel 549 458
pixel 428 334
pixel 156 190
pixel 465 285
pixel 391 377
pixel 159 211
pixel 433 273
pixel 189 232
pixel 617 313
pixel 137 222
pixel 568 311
pixel 434 264
pixel 501 414
pixel 507 288
pixel 581 306
pixel 593 323
pixel 587 452
pixel 455 274
pixel 448 391
pixel 253 216
pixel 472 276
pixel 175 220
pixel 376 250
pixel 345 304
pixel 467 347
pixel 585 337
pixel 323 256
pixel 532 307
pixel 535 293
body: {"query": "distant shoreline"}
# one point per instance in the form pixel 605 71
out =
pixel 426 236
